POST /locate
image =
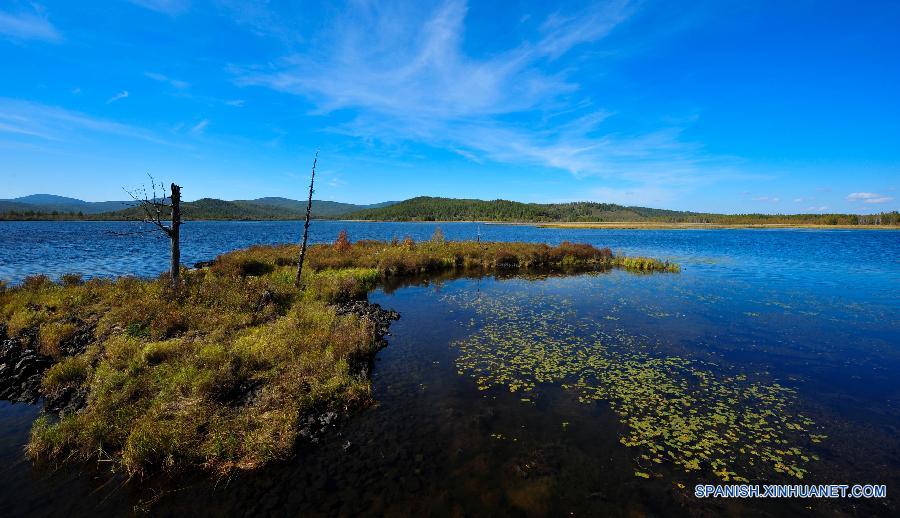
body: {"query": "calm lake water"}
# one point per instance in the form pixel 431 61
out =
pixel 521 396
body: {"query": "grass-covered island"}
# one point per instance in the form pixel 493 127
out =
pixel 234 365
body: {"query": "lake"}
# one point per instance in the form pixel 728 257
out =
pixel 774 356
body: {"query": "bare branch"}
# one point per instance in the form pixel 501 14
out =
pixel 154 209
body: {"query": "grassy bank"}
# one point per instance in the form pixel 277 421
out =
pixel 228 369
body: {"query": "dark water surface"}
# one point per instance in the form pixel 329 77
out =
pixel 513 396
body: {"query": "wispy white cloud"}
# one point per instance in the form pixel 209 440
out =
pixel 198 128
pixel 165 79
pixel 170 7
pixel 51 123
pixel 468 155
pixel 259 19
pixel 119 96
pixel 238 103
pixel 406 76
pixel 821 208
pixel 562 33
pixel 767 199
pixel 383 62
pixel 28 26
pixel 868 197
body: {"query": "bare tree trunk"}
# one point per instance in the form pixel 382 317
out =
pixel 175 233
pixel 306 223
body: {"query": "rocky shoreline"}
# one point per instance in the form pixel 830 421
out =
pixel 22 367
pixel 381 318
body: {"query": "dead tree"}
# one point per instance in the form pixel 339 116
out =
pixel 163 211
pixel 312 180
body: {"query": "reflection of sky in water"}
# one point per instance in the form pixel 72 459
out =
pixel 840 357
pixel 676 410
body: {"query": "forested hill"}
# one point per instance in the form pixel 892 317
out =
pixel 450 209
pixel 259 209
pixel 430 209
pixel 426 208
pixel 46 207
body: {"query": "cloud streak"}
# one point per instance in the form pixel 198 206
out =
pixel 181 85
pixel 407 78
pixel 198 128
pixel 169 7
pixel 34 120
pixel 868 197
pixel 28 26
pixel 119 96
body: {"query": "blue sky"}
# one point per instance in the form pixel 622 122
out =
pixel 714 106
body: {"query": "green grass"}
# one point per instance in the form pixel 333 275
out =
pixel 218 373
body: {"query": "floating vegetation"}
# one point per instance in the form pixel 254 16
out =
pixel 646 264
pixel 675 410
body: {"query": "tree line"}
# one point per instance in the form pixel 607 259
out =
pixel 449 209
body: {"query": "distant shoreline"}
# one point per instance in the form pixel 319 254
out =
pixel 650 225
pixel 611 225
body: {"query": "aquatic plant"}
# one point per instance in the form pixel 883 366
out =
pixel 646 264
pixel 676 410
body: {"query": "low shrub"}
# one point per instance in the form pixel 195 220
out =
pixel 52 334
pixel 72 279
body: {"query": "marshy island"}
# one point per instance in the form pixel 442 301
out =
pixel 233 363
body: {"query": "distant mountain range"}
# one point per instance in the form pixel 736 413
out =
pixel 423 208
pixel 41 206
pixel 52 202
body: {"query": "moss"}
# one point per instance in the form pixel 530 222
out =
pixel 218 372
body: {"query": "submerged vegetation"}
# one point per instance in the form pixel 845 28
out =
pixel 233 365
pixel 674 410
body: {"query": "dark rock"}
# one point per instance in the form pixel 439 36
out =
pixel 22 367
pixel 237 391
pixel 69 401
pixel 204 264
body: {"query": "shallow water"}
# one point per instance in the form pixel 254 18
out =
pixel 811 312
